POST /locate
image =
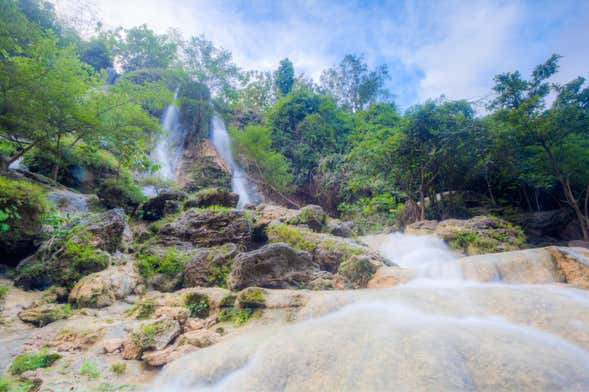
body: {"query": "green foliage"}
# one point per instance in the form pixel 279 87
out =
pixel 252 298
pixel 3 291
pixel 253 147
pixel 141 47
pixel 143 310
pixel 121 192
pixel 13 384
pixel 289 235
pixel 197 304
pixel 31 361
pixel 168 261
pixel 90 370
pixel 83 259
pixel 218 272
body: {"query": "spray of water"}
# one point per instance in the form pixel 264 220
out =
pixel 240 182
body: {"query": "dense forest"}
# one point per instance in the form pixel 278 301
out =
pixel 340 142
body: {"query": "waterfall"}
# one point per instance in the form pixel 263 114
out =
pixel 169 148
pixel 441 333
pixel 240 182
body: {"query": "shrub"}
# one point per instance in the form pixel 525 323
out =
pixel 90 370
pixel 119 368
pixel 289 235
pixel 169 262
pixel 237 316
pixel 3 291
pixel 121 192
pixel 31 361
pixel 197 304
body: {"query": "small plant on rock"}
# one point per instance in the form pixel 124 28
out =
pixel 31 361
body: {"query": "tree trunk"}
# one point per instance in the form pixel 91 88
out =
pixel 489 187
pixel 583 219
pixel 19 154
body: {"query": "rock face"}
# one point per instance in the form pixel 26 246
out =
pixel 152 336
pixel 478 235
pixel 209 266
pixel 103 288
pixel 573 264
pixel 356 271
pixel 43 314
pixel 84 250
pixel 275 266
pixel 202 166
pixel 213 196
pixel 207 228
pixel 163 204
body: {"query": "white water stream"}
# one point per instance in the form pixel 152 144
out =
pixel 170 147
pixel 440 333
pixel 240 182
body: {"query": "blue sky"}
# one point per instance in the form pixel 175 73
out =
pixel 431 47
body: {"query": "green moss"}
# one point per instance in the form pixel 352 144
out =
pixel 121 191
pixel 237 316
pixel 169 262
pixel 197 304
pixel 119 368
pixel 252 297
pixel 143 310
pixel 32 361
pixel 228 301
pixel 84 259
pixel 214 207
pixel 12 384
pixel 90 370
pixel 3 291
pixel 219 271
pixel 290 236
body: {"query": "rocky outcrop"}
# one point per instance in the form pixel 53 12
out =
pixel 213 197
pixel 340 229
pixel 153 336
pixel 210 266
pixel 275 266
pixel 84 249
pixel 105 287
pixel 163 204
pixel 478 235
pixel 573 264
pixel 356 271
pixel 206 228
pixel 44 314
pixel 202 167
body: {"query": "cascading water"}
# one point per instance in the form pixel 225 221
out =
pixel 440 333
pixel 240 182
pixel 169 148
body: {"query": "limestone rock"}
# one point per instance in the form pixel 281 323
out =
pixel 173 312
pixel 107 229
pixel 387 276
pixel 357 271
pixel 168 354
pixel 43 314
pixel 574 265
pixel 422 227
pixel 207 228
pixel 163 204
pixel 103 288
pixel 156 335
pixel 209 266
pixel 340 229
pixel 274 266
pixel 199 338
pixel 213 196
pixel 111 345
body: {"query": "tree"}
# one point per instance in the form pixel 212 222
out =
pixel 557 135
pixel 96 53
pixel 258 90
pixel 141 47
pixel 353 85
pixel 284 76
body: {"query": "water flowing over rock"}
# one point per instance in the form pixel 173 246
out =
pixel 240 182
pixel 433 330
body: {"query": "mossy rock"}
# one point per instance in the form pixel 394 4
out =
pixel 252 298
pixel 212 197
pixel 45 314
pixel 311 216
pixel 198 304
pixel 295 237
pixel 22 208
pixel 32 361
pixel 356 271
pixel 156 335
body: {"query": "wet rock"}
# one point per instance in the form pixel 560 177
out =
pixel 274 266
pixel 162 357
pixel 177 313
pixel 573 264
pixel 422 227
pixel 103 288
pixel 252 298
pixel 207 228
pixel 44 314
pixel 387 276
pixel 106 229
pixel 340 229
pixel 153 336
pixel 111 345
pixel 213 197
pixel 163 204
pixel 210 266
pixel 199 338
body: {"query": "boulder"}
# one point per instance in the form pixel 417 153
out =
pixel 168 354
pixel 274 266
pixel 480 235
pixel 199 338
pixel 111 345
pixel 210 266
pixel 106 229
pixel 163 204
pixel 422 227
pixel 207 228
pixel 311 216
pixel 44 314
pixel 152 336
pixel 545 225
pixel 213 197
pixel 340 229
pixel 177 313
pixel 101 289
